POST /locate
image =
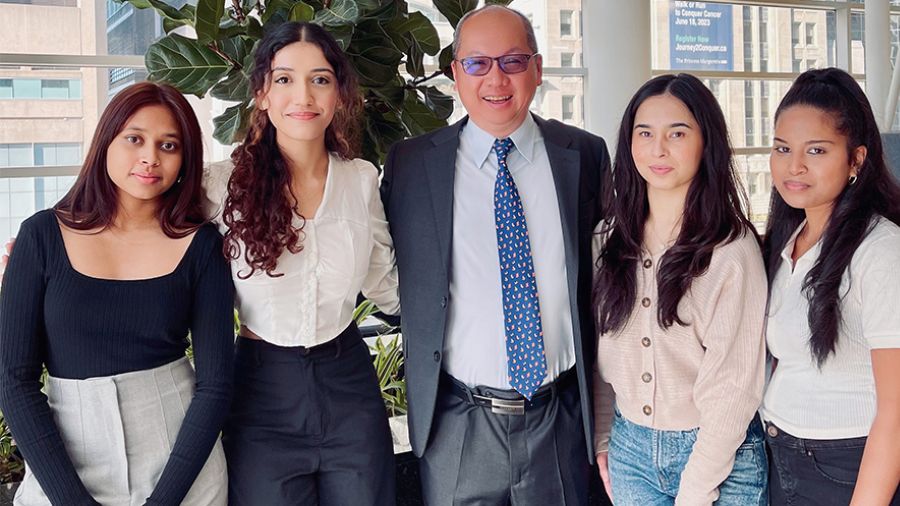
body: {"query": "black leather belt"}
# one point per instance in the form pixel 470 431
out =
pixel 511 402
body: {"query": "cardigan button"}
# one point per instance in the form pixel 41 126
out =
pixel 646 377
pixel 437 356
pixel 645 342
pixel 443 301
pixel 647 410
pixel 648 263
pixel 645 302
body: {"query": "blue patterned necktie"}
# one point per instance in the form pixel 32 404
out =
pixel 526 363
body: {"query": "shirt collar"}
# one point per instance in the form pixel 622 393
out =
pixel 788 249
pixel 482 143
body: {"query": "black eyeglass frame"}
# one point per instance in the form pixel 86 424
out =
pixel 498 59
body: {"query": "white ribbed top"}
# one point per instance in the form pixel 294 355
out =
pixel 838 400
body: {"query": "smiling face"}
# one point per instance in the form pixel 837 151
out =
pixel 301 95
pixel 810 163
pixel 497 102
pixel 666 144
pixel 144 159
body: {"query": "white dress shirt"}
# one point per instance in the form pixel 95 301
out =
pixel 347 248
pixel 475 342
pixel 838 400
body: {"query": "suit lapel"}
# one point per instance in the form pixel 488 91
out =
pixel 565 164
pixel 440 167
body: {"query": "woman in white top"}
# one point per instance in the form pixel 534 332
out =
pixel 680 295
pixel 832 406
pixel 305 229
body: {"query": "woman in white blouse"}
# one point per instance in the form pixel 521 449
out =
pixel 680 294
pixel 832 406
pixel 305 229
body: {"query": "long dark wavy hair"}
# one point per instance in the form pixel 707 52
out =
pixel 853 214
pixel 93 201
pixel 260 207
pixel 713 212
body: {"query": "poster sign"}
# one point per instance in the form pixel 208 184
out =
pixel 700 36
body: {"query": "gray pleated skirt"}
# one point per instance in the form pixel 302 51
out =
pixel 119 430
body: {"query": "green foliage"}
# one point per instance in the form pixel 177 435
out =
pixel 388 362
pixel 381 37
pixel 12 467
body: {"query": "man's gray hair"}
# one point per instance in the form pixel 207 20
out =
pixel 529 30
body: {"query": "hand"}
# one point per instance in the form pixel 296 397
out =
pixel 5 259
pixel 603 465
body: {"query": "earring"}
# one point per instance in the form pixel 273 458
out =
pixel 178 180
pixel 851 180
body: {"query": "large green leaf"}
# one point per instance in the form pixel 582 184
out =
pixel 234 88
pixel 206 19
pixel 420 30
pixel 417 117
pixel 392 94
pixel 445 59
pixel 185 63
pixel 302 11
pixel 340 12
pixel 276 10
pixel 183 16
pixel 453 10
pixel 439 103
pixel 231 125
pixel 237 48
pixel 414 61
pixel 497 2
pixel 342 34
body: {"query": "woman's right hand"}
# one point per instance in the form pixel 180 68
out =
pixel 603 466
pixel 5 259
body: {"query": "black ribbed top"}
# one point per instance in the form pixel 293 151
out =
pixel 84 327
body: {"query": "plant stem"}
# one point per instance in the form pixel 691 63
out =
pixel 416 82
pixel 238 10
pixel 215 48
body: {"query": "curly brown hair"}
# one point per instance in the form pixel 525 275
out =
pixel 260 207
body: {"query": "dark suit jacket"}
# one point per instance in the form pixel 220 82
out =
pixel 417 191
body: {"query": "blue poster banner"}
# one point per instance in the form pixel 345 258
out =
pixel 700 36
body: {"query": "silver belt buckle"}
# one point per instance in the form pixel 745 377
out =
pixel 507 406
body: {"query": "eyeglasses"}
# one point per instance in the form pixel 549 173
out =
pixel 508 63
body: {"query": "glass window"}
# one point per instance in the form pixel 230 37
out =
pixel 26 88
pixel 795 33
pixel 565 22
pixel 566 60
pixel 54 88
pixel 15 155
pixel 568 107
pixel 810 34
pixel 6 88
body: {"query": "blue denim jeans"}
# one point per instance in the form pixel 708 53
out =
pixel 645 465
pixel 819 472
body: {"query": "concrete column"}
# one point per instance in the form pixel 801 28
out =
pixel 618 56
pixel 878 57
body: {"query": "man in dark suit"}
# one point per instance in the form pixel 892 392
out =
pixel 492 220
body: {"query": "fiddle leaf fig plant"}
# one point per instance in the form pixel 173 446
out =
pixel 386 44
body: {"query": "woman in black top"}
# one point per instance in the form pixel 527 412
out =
pixel 103 289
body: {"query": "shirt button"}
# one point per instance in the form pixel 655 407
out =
pixel 772 431
pixel 648 263
pixel 647 410
pixel 645 302
pixel 646 377
pixel 645 342
pixel 437 356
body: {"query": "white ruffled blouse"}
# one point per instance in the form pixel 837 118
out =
pixel 347 248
